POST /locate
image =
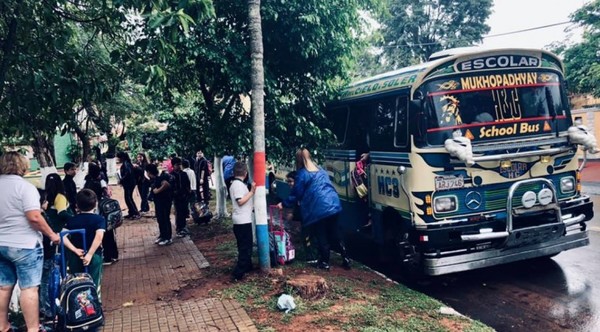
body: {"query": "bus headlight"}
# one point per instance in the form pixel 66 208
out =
pixel 444 204
pixel 567 185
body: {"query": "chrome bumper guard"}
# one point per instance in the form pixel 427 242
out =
pixel 491 257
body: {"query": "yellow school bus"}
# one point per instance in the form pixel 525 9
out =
pixel 471 162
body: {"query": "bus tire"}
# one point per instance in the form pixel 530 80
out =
pixel 397 244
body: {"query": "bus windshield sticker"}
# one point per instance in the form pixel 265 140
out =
pixel 450 111
pixel 449 182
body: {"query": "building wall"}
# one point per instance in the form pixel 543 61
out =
pixel 585 109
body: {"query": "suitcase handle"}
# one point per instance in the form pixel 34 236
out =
pixel 63 267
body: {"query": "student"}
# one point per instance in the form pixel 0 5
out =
pixel 162 196
pixel 128 181
pixel 95 183
pixel 70 170
pixel 193 182
pixel 142 183
pixel 95 226
pixel 201 166
pixel 241 200
pixel 181 195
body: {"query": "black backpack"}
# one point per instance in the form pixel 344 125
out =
pixel 180 183
pixel 111 211
pixel 81 308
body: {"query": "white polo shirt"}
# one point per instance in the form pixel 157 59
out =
pixel 17 197
pixel 241 214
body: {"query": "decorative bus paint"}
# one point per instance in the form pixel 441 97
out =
pixel 518 196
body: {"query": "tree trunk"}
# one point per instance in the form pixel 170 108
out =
pixel 220 190
pixel 43 151
pixel 86 147
pixel 258 117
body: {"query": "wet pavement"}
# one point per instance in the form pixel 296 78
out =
pixel 558 294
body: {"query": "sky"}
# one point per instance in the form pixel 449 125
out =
pixel 513 15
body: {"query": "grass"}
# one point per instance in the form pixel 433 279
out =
pixel 358 300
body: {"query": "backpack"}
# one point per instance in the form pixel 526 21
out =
pixel 111 211
pixel 209 167
pixel 180 183
pixel 81 309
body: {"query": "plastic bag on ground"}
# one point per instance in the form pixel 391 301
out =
pixel 286 302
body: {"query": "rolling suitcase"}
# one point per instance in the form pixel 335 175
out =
pixel 80 308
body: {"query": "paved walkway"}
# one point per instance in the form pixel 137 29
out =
pixel 138 290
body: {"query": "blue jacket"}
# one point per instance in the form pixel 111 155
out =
pixel 318 199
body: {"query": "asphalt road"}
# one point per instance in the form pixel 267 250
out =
pixel 558 294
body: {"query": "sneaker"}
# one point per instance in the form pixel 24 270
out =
pixel 165 242
pixel 137 216
pixel 114 260
pixel 106 263
pixel 158 239
pixel 180 234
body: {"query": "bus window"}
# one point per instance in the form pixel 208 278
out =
pixel 357 137
pixel 382 130
pixel 401 138
pixel 338 118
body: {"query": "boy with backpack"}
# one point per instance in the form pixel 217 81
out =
pixel 243 205
pixel 95 226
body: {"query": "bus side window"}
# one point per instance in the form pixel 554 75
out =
pixel 338 118
pixel 401 138
pixel 358 126
pixel 382 129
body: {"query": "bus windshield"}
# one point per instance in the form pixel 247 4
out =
pixel 497 106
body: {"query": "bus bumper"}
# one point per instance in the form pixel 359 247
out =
pixel 491 257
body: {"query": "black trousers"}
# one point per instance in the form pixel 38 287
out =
pixel 109 244
pixel 143 188
pixel 243 236
pixel 328 235
pixel 163 217
pixel 204 191
pixel 182 211
pixel 128 193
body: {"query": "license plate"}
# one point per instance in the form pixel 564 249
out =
pixel 449 182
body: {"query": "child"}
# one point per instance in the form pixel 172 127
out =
pixel 162 194
pixel 95 226
pixel 241 200
pixel 181 195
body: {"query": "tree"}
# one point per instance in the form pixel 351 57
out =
pixel 258 116
pixel 415 29
pixel 309 50
pixel 582 61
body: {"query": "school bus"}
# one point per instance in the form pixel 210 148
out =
pixel 471 163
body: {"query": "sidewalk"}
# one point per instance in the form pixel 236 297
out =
pixel 139 292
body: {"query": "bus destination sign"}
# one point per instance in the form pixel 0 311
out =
pixel 499 62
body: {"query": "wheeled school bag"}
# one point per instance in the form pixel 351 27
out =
pixel 201 213
pixel 80 308
pixel 281 248
pixel 110 209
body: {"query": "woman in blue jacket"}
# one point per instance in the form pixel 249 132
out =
pixel 319 204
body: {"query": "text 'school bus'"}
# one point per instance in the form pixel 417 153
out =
pixel 471 161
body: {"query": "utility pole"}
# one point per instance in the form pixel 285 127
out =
pixel 258 119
